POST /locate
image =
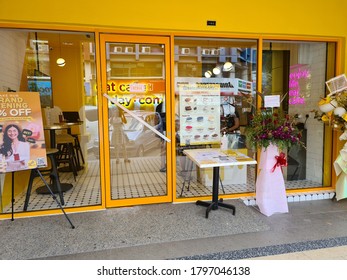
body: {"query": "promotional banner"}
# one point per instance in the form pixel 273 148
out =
pixel 22 142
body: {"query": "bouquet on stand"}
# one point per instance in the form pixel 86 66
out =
pixel 333 109
pixel 273 133
pixel 270 127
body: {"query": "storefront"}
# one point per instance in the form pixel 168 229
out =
pixel 125 162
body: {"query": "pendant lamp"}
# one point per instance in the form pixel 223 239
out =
pixel 60 61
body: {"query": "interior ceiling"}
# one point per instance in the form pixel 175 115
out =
pixel 65 39
pixel 215 43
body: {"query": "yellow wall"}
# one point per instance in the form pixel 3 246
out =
pixel 21 180
pixel 68 89
pixel 295 17
pixel 271 16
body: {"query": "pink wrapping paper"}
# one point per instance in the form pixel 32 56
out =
pixel 340 166
pixel 270 189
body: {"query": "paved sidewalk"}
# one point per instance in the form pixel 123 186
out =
pixel 320 225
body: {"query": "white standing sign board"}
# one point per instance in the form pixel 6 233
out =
pixel 272 101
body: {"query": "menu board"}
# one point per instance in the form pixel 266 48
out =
pixel 199 114
pixel 22 142
pixel 228 86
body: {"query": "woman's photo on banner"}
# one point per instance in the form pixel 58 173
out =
pixel 14 149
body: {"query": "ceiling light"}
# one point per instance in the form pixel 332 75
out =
pixel 228 66
pixel 208 74
pixel 61 62
pixel 216 70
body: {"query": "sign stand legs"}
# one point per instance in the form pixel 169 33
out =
pixel 12 198
pixel 54 197
pixel 50 191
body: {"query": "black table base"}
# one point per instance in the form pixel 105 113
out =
pixel 44 190
pixel 215 203
pixel 214 206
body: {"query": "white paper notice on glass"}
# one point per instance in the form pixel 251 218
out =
pixel 272 101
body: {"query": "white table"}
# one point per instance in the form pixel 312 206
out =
pixel 228 175
pixel 216 158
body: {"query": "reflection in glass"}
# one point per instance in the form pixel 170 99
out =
pixel 296 72
pixel 214 81
pixel 136 80
pixel 31 66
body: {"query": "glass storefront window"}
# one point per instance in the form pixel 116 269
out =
pixel 214 98
pixel 214 94
pixel 61 67
pixel 297 72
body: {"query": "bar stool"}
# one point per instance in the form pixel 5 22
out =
pixel 78 151
pixel 65 145
pixel 52 172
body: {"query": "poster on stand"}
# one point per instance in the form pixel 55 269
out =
pixel 199 114
pixel 22 142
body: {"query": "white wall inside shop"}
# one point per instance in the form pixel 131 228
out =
pixel 313 54
pixel 12 55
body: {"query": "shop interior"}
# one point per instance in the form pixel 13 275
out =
pixel 61 66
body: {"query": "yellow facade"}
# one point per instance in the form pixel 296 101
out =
pixel 273 19
pixel 323 18
pixel 296 17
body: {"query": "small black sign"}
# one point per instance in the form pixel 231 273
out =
pixel 211 23
pixel 27 132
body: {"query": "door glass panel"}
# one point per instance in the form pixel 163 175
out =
pixel 297 72
pixel 214 94
pixel 136 80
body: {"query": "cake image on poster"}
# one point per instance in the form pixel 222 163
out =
pixel 22 142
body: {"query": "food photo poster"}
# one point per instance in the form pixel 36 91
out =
pixel 199 114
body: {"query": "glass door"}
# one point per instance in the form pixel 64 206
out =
pixel 135 73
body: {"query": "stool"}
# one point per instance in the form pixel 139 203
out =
pixel 78 151
pixel 51 172
pixel 65 145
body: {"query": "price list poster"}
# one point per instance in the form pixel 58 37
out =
pixel 199 114
pixel 22 142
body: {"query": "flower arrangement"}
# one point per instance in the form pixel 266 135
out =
pixel 269 126
pixel 333 107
